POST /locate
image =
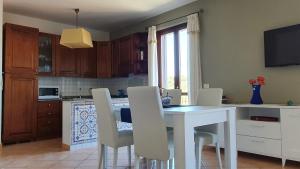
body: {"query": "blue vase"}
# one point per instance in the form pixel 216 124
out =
pixel 256 98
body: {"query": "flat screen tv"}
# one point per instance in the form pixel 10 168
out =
pixel 282 46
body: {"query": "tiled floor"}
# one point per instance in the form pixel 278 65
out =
pixel 49 155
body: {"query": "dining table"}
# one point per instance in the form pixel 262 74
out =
pixel 184 119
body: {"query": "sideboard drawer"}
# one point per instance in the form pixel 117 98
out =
pixel 259 129
pixel 257 145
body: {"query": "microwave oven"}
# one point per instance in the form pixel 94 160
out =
pixel 49 92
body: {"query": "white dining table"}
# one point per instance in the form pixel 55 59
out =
pixel 185 119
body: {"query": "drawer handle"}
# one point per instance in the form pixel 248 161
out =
pixel 256 141
pixel 49 122
pixel 49 113
pixel 257 126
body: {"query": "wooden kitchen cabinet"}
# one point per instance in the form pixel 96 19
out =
pixel 47 45
pixel 88 61
pixel 19 117
pixel 115 57
pixel 125 65
pixel 49 119
pixel 104 60
pixel 139 56
pixel 129 55
pixel 67 62
pixel 21 49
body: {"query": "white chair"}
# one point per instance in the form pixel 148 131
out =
pixel 208 134
pixel 149 130
pixel 175 94
pixel 108 134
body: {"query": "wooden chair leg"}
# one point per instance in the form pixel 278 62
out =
pixel 218 154
pixel 101 154
pixel 129 156
pixel 137 162
pixel 115 161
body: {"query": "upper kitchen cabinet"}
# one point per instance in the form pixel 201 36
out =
pixel 115 45
pixel 104 60
pixel 21 49
pixel 46 54
pixel 88 61
pixel 129 55
pixel 140 53
pixel 125 64
pixel 67 62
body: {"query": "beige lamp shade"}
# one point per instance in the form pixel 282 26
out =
pixel 76 38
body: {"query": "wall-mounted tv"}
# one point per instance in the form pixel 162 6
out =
pixel 282 46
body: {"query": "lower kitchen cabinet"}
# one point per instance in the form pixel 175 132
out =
pixel 49 119
pixel 20 101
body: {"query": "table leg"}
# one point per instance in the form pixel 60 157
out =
pixel 184 143
pixel 230 141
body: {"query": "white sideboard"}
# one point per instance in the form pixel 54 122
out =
pixel 276 139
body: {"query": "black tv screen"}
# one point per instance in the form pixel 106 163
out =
pixel 282 46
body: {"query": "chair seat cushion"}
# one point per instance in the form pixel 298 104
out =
pixel 125 138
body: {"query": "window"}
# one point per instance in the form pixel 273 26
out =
pixel 172 59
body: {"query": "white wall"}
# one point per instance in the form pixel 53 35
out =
pixel 49 26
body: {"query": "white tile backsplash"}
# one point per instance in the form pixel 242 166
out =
pixel 71 86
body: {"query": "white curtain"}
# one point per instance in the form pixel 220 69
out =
pixel 152 57
pixel 194 71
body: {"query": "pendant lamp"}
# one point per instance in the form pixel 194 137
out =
pixel 77 37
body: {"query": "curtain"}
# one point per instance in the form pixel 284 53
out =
pixel 152 57
pixel 194 71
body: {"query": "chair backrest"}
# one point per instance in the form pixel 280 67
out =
pixel 210 97
pixel 175 94
pixel 149 129
pixel 106 121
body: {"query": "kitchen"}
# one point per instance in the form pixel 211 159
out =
pixel 52 74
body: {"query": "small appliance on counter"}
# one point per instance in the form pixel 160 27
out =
pixel 49 92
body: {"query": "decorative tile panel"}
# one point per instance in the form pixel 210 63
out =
pixel 84 123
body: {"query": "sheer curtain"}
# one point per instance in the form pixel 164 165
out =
pixel 152 57
pixel 194 71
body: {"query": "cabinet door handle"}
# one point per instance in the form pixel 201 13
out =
pixel 49 122
pixel 49 113
pixel 49 105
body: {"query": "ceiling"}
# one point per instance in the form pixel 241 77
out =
pixel 107 15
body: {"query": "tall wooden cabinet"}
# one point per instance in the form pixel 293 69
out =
pixel 20 83
pixel 21 49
